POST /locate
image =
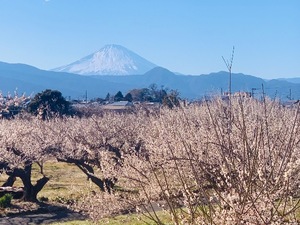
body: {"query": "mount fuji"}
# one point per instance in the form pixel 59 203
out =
pixel 109 60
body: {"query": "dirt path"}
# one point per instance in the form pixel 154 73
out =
pixel 44 215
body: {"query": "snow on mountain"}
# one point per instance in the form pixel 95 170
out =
pixel 109 60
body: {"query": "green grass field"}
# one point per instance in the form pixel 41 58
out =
pixel 65 181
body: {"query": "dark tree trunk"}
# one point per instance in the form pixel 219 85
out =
pixel 110 183
pixel 89 172
pixel 30 191
pixel 105 184
pixel 96 181
pixel 25 176
pixel 9 182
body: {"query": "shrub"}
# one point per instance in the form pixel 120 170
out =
pixel 5 200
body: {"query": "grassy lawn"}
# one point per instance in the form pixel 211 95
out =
pixel 66 181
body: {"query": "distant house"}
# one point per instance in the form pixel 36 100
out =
pixel 242 94
pixel 120 105
pixel 290 103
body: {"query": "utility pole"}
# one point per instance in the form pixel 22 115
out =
pixel 263 92
pixel 252 91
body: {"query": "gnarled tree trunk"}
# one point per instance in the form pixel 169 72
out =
pixel 30 191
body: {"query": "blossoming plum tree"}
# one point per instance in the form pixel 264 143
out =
pixel 24 142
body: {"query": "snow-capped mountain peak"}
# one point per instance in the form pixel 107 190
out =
pixel 109 60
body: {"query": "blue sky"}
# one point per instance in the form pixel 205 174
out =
pixel 186 36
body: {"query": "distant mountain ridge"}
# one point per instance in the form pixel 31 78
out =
pixel 32 80
pixel 109 60
pixel 115 68
pixel 194 87
pixel 291 80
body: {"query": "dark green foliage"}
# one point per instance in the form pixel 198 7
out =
pixel 5 200
pixel 128 97
pixel 49 103
pixel 10 111
pixel 107 98
pixel 119 96
pixel 151 94
pixel 160 95
pixel 171 100
pixel 141 95
pixel 100 100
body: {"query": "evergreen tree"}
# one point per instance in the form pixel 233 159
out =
pixel 107 98
pixel 128 97
pixel 49 103
pixel 119 96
